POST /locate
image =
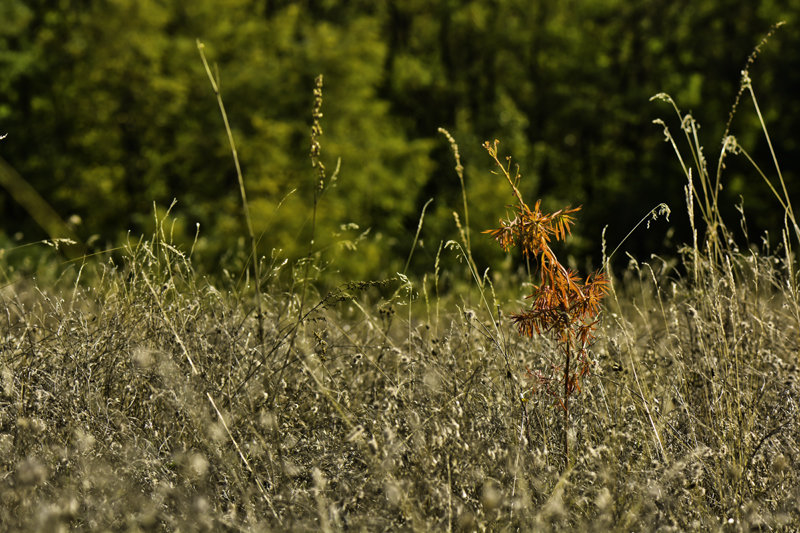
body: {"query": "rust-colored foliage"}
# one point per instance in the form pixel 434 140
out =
pixel 563 305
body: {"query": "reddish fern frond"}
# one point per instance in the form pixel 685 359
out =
pixel 504 235
pixel 527 324
pixel 571 284
pixel 534 320
pixel 528 230
pixel 586 333
pixel 531 230
pixel 595 288
pixel 561 222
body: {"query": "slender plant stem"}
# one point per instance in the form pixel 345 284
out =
pixel 416 236
pixel 460 173
pixel 240 177
pixel 566 408
pixel 319 187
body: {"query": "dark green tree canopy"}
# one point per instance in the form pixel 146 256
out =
pixel 108 110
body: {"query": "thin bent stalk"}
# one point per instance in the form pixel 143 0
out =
pixel 245 206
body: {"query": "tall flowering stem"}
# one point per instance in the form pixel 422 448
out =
pixel 564 306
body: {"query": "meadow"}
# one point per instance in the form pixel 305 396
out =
pixel 142 394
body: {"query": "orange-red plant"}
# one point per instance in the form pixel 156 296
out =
pixel 564 306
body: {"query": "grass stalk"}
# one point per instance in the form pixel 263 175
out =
pixel 256 263
pixel 459 168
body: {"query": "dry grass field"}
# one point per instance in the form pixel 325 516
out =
pixel 140 394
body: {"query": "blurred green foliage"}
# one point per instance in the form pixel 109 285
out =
pixel 108 111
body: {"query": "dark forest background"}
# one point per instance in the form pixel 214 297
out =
pixel 108 110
